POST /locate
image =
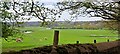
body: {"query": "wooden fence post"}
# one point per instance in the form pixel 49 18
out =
pixel 56 38
pixel 0 36
pixel 77 42
pixel 108 40
pixel 94 41
pixel 55 42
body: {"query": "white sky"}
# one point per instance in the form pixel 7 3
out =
pixel 65 15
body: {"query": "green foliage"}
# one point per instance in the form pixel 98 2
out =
pixel 8 30
pixel 13 12
pixel 112 25
pixel 7 26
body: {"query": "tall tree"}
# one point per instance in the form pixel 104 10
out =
pixel 7 26
pixel 14 13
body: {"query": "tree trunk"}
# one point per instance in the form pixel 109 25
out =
pixel 43 23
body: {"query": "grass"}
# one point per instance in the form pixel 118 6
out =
pixel 67 36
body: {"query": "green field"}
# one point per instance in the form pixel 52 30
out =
pixel 67 36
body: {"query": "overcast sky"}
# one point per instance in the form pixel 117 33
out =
pixel 65 15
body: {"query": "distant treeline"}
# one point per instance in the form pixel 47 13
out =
pixel 112 25
pixel 77 28
pixel 74 25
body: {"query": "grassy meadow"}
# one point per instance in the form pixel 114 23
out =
pixel 66 36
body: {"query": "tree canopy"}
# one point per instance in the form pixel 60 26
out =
pixel 14 13
pixel 105 10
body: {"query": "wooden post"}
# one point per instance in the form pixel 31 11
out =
pixel 0 36
pixel 56 38
pixel 55 42
pixel 94 41
pixel 108 40
pixel 77 42
pixel 0 28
